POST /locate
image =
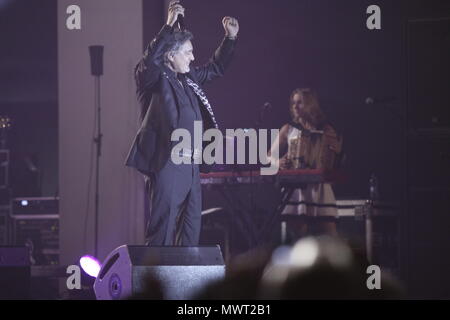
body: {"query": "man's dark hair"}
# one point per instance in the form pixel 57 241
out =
pixel 178 38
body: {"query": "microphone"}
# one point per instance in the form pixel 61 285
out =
pixel 180 22
pixel 266 106
pixel 96 55
pixel 380 100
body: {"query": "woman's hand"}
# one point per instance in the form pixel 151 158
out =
pixel 284 163
pixel 335 145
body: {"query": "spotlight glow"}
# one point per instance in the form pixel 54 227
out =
pixel 24 203
pixel 305 253
pixel 90 265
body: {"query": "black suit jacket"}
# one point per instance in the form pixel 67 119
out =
pixel 158 91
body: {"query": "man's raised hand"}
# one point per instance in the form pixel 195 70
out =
pixel 231 26
pixel 175 8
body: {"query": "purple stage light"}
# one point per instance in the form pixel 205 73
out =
pixel 5 3
pixel 90 265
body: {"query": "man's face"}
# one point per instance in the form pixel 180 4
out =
pixel 181 60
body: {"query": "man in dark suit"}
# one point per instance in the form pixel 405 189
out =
pixel 171 98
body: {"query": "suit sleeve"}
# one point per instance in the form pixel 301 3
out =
pixel 148 69
pixel 218 64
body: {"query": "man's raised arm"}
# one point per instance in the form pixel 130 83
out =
pixel 147 71
pixel 223 55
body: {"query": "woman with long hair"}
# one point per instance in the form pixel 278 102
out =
pixel 311 209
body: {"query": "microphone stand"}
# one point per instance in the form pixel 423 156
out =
pixel 98 143
pixel 388 105
pixel 96 54
pixel 258 124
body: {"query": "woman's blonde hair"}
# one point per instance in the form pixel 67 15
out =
pixel 311 109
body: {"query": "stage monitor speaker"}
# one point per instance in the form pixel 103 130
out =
pixel 425 255
pixel 179 272
pixel 14 273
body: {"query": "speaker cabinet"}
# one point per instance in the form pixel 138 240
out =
pixel 14 273
pixel 425 237
pixel 140 271
pixel 428 261
pixel 428 74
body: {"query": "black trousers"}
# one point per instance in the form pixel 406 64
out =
pixel 175 206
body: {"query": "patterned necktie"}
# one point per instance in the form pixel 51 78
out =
pixel 201 94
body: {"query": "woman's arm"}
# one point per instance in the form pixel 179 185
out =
pixel 279 147
pixel 334 140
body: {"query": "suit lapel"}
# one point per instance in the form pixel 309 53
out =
pixel 178 90
pixel 202 98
